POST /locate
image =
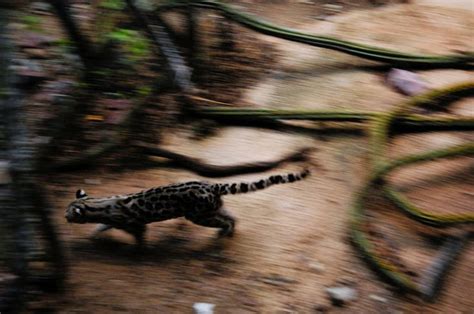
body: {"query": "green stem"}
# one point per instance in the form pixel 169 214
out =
pixel 459 150
pixel 392 57
pixel 318 115
pixel 360 239
pixel 380 130
pixel 436 220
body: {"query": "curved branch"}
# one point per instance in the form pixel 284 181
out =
pixel 214 171
pixel 83 44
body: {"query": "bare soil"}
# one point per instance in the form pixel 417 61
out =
pixel 292 240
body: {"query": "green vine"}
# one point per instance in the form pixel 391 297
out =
pixel 380 127
pixel 392 57
pixel 380 132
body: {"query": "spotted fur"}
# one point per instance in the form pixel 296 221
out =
pixel 199 202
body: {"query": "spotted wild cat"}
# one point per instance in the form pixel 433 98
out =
pixel 199 202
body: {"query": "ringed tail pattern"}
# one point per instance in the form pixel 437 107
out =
pixel 245 187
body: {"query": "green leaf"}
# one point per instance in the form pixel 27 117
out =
pixel 122 35
pixel 132 41
pixel 62 42
pixel 144 90
pixel 113 4
pixel 32 22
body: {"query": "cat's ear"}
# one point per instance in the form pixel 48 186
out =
pixel 80 194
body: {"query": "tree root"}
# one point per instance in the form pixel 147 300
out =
pixel 214 171
pixel 228 115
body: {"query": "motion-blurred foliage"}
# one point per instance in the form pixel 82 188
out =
pixel 112 4
pixel 133 42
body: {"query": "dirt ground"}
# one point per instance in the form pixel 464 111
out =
pixel 291 241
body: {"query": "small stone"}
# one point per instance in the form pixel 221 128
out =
pixel 341 295
pixel 407 82
pixel 203 308
pixel 317 267
pixel 377 298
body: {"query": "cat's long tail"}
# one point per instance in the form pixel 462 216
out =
pixel 245 187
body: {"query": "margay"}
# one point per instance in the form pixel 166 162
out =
pixel 199 202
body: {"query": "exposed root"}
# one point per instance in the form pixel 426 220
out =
pixel 214 171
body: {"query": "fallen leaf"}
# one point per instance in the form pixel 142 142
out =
pixel 94 117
